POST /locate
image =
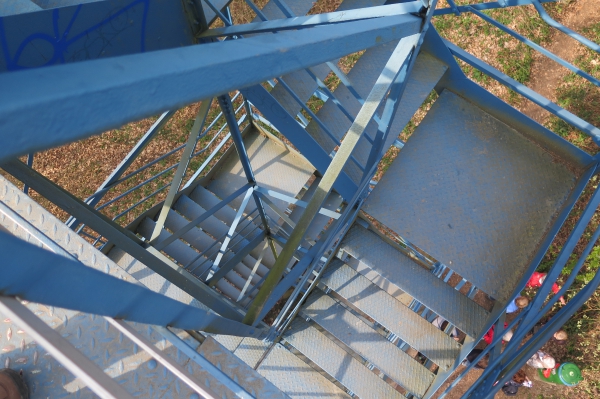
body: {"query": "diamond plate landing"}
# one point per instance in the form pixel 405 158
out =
pixel 474 193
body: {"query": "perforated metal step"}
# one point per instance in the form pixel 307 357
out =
pixel 338 363
pixel 395 316
pixel 296 378
pixel 475 194
pixel 400 271
pixel 361 338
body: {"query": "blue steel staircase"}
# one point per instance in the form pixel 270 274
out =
pixel 453 229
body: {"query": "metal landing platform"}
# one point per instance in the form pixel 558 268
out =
pixel 474 193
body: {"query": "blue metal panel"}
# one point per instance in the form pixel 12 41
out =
pixel 286 123
pixel 87 31
pixel 103 94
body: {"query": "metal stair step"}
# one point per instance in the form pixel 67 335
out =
pixel 399 270
pixel 246 376
pixel 231 342
pixel 175 221
pixel 206 199
pixel 336 362
pixel 424 76
pixel 491 196
pixel 216 228
pixel 184 254
pixel 296 378
pixel 301 83
pixel 276 167
pixel 395 316
pixel 361 338
pixel 192 210
pixel 426 73
pixel 178 250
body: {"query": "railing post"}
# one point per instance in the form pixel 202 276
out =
pixel 236 135
pixel 182 167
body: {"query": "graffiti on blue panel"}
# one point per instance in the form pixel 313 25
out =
pixel 89 43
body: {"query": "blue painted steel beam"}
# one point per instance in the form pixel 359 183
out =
pixel 313 20
pixel 102 94
pixel 66 283
pixel 526 92
pixel 308 146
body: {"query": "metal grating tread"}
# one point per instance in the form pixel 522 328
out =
pixel 251 350
pixel 178 250
pixel 276 167
pixel 426 73
pixel 98 340
pixel 198 239
pixel 246 376
pixel 392 314
pixel 399 270
pixel 490 196
pixel 296 378
pixel 336 362
pixel 361 338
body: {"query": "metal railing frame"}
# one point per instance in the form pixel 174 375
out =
pixel 504 364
